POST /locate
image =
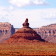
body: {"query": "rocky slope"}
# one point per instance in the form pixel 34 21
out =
pixel 47 32
pixel 25 33
pixel 6 30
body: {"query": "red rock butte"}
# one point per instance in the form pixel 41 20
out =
pixel 26 33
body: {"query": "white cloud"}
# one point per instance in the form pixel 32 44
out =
pixel 21 3
pixel 37 17
pixel 11 7
pixel 3 11
pixel 39 2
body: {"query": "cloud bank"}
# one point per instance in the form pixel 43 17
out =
pixel 37 17
pixel 21 3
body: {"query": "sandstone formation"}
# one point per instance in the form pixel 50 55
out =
pixel 25 33
pixel 6 30
pixel 47 32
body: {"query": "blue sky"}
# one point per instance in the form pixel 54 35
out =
pixel 49 4
pixel 39 12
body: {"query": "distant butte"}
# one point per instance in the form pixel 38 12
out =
pixel 26 33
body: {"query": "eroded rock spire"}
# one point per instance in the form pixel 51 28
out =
pixel 26 24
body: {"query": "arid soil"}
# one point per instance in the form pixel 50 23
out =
pixel 27 47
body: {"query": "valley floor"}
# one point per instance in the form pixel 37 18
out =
pixel 27 48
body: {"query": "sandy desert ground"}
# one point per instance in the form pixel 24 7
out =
pixel 27 48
